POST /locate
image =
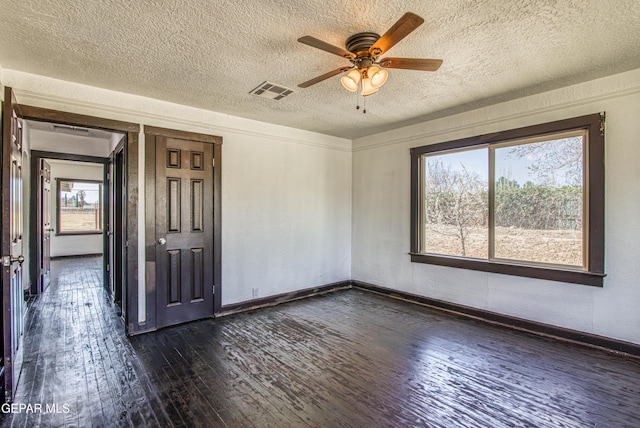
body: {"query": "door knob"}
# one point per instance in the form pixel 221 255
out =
pixel 7 260
pixel 162 241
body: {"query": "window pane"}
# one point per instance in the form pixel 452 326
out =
pixel 456 204
pixel 539 202
pixel 80 206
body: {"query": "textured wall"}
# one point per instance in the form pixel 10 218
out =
pixel 286 217
pixel 381 214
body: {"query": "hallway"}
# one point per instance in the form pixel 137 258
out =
pixel 77 359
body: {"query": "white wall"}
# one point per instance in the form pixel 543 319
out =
pixel 286 193
pixel 286 216
pixel 72 245
pixel 381 214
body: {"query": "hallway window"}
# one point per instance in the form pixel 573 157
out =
pixel 79 205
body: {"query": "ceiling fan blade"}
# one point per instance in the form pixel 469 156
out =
pixel 319 44
pixel 399 30
pixel 412 63
pixel 323 77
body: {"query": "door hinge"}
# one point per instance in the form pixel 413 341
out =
pixel 108 268
pixel 108 176
pixel 213 289
pixel 213 162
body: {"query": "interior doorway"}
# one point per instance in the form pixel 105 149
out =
pixel 26 271
pixel 74 194
pixel 71 212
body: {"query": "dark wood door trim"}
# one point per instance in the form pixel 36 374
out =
pixel 130 288
pixel 34 204
pixel 43 233
pixel 150 228
pixel 182 135
pixel 117 266
pixel 47 115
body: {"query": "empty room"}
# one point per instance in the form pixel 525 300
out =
pixel 324 214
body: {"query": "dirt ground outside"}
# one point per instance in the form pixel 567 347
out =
pixel 80 220
pixel 562 247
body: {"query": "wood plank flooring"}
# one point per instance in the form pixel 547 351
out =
pixel 346 359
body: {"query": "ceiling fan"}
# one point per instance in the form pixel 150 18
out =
pixel 363 50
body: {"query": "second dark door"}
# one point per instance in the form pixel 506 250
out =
pixel 45 224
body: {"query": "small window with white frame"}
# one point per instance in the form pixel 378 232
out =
pixel 79 204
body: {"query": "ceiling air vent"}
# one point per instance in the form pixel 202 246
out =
pixel 271 90
pixel 71 130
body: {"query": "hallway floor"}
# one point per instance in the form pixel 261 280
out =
pixel 77 359
pixel 345 359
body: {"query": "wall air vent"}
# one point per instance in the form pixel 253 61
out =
pixel 271 90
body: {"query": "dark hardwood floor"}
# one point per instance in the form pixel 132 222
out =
pixel 346 359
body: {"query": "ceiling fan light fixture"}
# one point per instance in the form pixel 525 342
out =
pixel 350 80
pixel 378 76
pixel 368 88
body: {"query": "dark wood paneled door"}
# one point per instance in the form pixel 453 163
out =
pixel 45 224
pixel 12 255
pixel 184 230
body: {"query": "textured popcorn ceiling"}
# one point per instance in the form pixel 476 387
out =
pixel 210 54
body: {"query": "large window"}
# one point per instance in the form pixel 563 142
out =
pixel 525 202
pixel 79 205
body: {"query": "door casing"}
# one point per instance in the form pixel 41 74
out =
pixel 43 232
pixel 130 228
pixel 117 192
pixel 35 245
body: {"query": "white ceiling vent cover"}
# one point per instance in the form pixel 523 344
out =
pixel 72 130
pixel 271 90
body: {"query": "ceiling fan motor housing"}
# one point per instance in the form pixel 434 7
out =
pixel 360 43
